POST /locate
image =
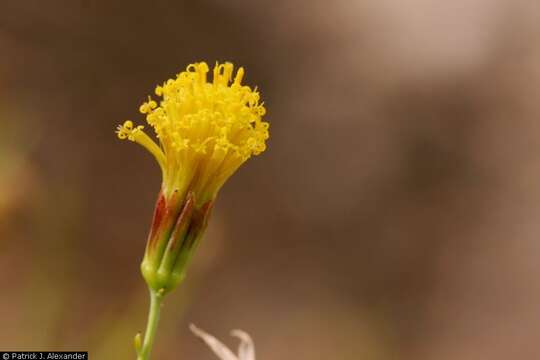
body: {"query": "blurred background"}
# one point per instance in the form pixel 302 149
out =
pixel 395 214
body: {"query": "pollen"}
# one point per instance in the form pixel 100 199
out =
pixel 205 129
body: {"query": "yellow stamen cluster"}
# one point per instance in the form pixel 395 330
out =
pixel 206 130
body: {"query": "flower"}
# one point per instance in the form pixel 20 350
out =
pixel 205 131
pixel 246 349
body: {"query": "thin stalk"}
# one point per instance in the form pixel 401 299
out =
pixel 156 299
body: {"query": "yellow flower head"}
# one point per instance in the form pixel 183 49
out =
pixel 206 129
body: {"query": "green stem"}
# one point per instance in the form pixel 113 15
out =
pixel 151 327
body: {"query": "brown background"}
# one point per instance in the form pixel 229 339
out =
pixel 394 215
